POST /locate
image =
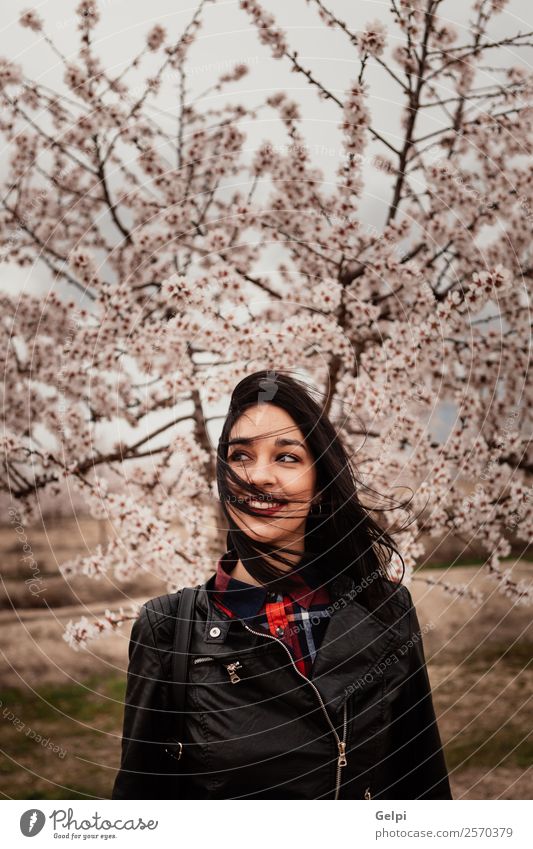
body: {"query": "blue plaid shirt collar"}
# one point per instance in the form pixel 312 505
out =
pixel 246 600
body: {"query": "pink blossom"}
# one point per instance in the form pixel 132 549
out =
pixel 444 35
pixel 88 13
pixel 30 19
pixel 180 261
pixel 10 74
pixel 239 71
pixel 371 41
pixel 268 33
pixel 156 37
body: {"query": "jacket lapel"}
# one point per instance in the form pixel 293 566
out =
pixel 349 657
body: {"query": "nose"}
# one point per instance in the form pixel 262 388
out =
pixel 261 474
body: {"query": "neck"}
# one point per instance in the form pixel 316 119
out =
pixel 241 573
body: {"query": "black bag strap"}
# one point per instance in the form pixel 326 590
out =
pixel 179 666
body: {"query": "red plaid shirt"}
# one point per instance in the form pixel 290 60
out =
pixel 298 617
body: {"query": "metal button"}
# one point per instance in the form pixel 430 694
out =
pixel 214 632
pixel 280 631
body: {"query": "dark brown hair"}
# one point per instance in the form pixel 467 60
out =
pixel 343 535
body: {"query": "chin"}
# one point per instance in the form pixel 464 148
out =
pixel 263 532
pixel 263 536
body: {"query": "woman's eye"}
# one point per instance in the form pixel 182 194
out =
pixel 235 456
pixel 296 459
pixel 238 454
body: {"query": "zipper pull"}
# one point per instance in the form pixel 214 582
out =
pixel 342 754
pixel 231 667
pixel 367 793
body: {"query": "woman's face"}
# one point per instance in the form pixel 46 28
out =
pixel 277 461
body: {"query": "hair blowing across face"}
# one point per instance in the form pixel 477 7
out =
pixel 343 537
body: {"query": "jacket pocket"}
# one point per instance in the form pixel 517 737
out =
pixel 232 666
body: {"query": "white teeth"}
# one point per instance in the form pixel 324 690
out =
pixel 261 505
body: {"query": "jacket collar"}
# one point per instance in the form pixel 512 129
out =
pixel 218 622
pixel 354 646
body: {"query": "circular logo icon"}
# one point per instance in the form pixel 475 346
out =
pixel 31 822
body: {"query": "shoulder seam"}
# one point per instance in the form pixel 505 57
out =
pixel 161 615
pixel 401 596
pixel 149 607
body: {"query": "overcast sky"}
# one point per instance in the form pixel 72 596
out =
pixel 228 37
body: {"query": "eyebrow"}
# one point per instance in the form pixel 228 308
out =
pixel 280 441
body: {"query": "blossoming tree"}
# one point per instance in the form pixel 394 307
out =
pixel 155 236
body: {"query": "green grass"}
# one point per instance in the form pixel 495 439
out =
pixel 76 700
pixel 503 746
pixel 515 656
pixel 82 723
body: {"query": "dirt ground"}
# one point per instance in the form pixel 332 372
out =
pixel 479 662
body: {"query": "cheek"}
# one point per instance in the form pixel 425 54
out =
pixel 302 481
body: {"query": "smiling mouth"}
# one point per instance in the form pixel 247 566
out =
pixel 262 506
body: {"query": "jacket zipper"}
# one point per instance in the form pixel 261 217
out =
pixel 341 761
pixel 341 744
pixel 230 667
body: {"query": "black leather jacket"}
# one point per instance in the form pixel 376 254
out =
pixel 363 727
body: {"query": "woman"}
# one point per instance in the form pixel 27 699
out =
pixel 307 675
